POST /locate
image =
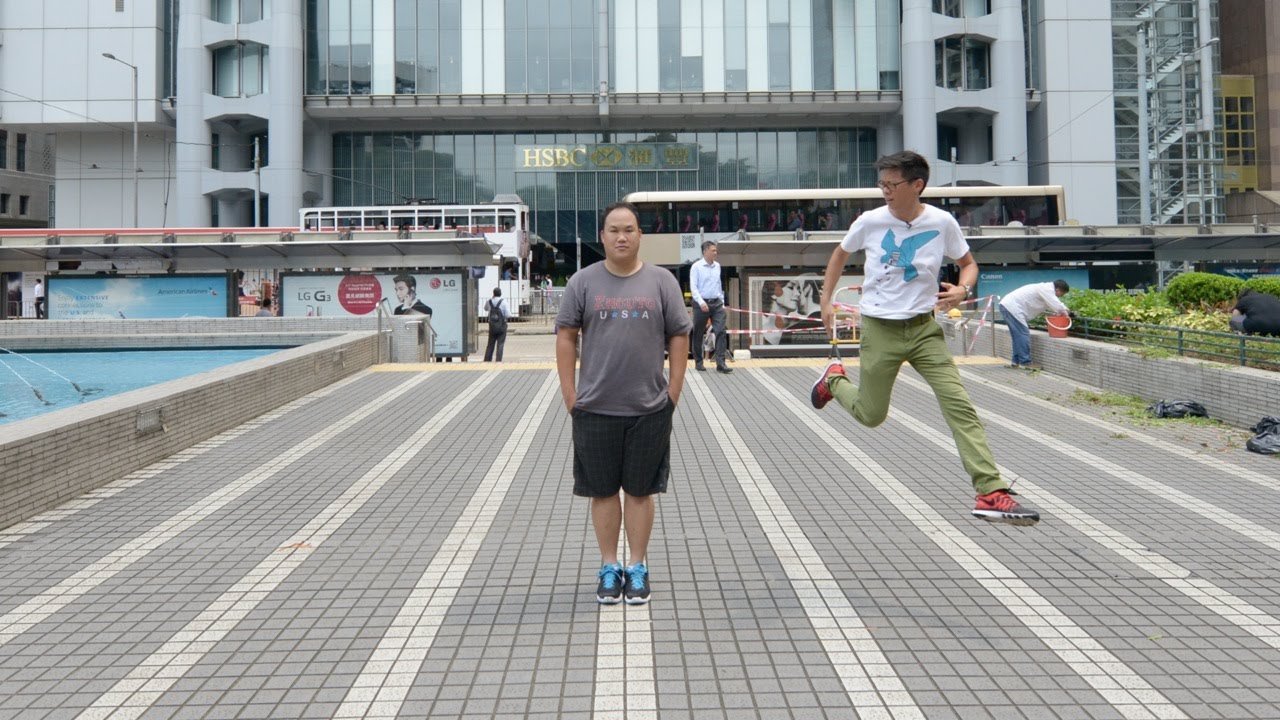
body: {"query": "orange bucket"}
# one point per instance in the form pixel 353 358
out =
pixel 1058 325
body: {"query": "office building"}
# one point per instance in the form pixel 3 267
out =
pixel 250 109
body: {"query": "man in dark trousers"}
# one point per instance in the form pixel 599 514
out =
pixel 707 295
pixel 628 313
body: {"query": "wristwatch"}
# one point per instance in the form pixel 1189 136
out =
pixel 968 291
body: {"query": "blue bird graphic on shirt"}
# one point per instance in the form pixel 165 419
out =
pixel 905 254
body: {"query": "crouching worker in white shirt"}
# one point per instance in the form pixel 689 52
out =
pixel 1027 302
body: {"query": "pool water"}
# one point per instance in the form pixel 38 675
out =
pixel 99 374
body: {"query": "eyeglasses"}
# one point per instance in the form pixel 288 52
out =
pixel 889 185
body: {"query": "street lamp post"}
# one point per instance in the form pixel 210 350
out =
pixel 134 68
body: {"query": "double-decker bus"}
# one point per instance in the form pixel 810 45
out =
pixel 817 210
pixel 503 223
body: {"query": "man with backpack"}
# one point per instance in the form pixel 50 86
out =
pixel 496 307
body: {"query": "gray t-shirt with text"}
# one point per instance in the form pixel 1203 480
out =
pixel 625 324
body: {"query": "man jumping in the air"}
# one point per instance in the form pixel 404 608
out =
pixel 905 242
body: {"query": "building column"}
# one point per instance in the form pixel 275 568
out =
pixel 1009 80
pixel 889 135
pixel 283 180
pixel 192 153
pixel 919 109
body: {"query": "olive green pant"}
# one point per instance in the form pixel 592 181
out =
pixel 886 344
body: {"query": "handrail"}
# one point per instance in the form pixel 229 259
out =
pixel 1233 348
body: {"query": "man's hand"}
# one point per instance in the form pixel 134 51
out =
pixel 704 307
pixel 951 296
pixel 569 399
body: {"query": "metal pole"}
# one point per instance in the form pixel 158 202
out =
pixel 578 244
pixel 135 144
pixel 1144 131
pixel 257 182
pixel 1182 122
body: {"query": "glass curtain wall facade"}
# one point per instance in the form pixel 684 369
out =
pixel 395 168
pixel 551 46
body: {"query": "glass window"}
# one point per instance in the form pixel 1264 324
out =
pixel 361 47
pixel 450 46
pixel 24 204
pixel 406 46
pixel 223 11
pixel 779 40
pixel 823 46
pixel 735 45
pixel 251 70
pixel 317 50
pixel 669 45
pixel 250 11
pixel 339 75
pixel 226 71
pixel 4 148
pixel 428 82
pixel 977 56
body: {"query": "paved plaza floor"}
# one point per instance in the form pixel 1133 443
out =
pixel 405 544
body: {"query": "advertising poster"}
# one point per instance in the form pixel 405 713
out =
pixel 438 294
pixel 786 309
pixel 1005 280
pixel 71 297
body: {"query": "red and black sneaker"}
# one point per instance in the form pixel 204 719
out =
pixel 820 395
pixel 999 506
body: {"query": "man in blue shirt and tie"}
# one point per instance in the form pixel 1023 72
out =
pixel 708 302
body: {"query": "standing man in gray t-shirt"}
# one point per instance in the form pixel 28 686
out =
pixel 628 312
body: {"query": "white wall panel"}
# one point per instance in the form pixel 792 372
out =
pixel 867 74
pixel 472 47
pixel 757 45
pixel 713 45
pixel 495 54
pixel 801 45
pixel 625 53
pixel 845 50
pixel 384 47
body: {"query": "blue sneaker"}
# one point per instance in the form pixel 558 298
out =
pixel 609 591
pixel 637 592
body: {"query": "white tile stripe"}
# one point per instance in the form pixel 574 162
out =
pixel 1213 513
pixel 384 682
pixel 133 694
pixel 1132 696
pixel 625 686
pixel 1216 464
pixel 1238 611
pixel 26 615
pixel 87 500
pixel 874 688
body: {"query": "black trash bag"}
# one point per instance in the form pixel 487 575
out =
pixel 1267 443
pixel 1177 409
pixel 1267 439
pixel 1266 425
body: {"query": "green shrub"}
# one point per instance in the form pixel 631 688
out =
pixel 1269 285
pixel 1200 320
pixel 1146 307
pixel 1197 290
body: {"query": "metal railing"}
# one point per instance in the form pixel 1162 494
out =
pixel 545 302
pixel 1231 348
